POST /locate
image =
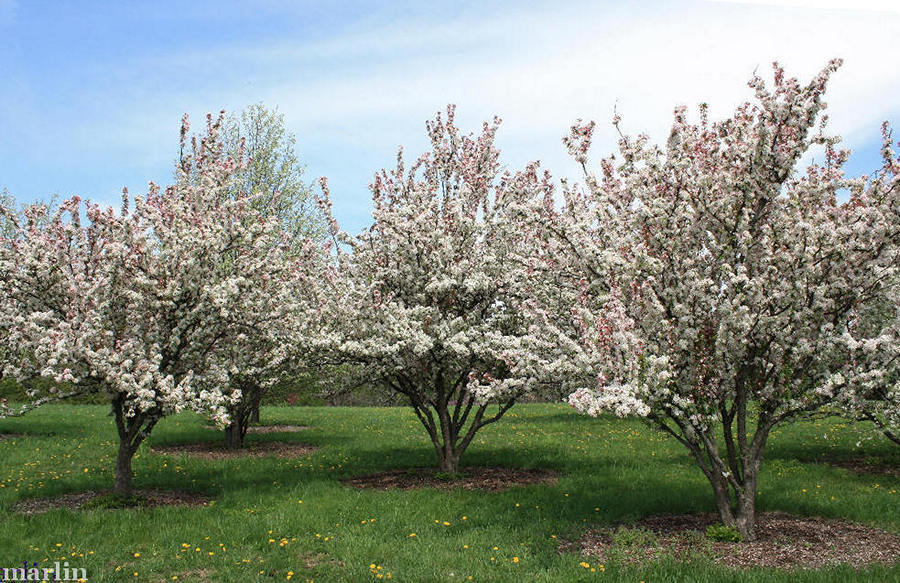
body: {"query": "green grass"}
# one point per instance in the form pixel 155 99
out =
pixel 611 472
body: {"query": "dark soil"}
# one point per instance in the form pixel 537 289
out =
pixel 784 541
pixel 866 466
pixel 276 428
pixel 474 478
pixel 216 451
pixel 10 436
pixel 76 501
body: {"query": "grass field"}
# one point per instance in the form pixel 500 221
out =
pixel 257 528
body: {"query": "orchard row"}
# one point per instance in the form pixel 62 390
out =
pixel 707 285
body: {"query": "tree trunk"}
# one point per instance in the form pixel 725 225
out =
pixel 234 436
pixel 254 414
pixel 122 485
pixel 240 422
pixel 132 432
pixel 723 500
pixel 449 424
pixel 745 517
pixel 448 459
pixel 737 504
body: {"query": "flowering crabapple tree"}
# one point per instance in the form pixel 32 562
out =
pixel 870 387
pixel 267 170
pixel 429 298
pixel 274 177
pixel 150 306
pixel 720 287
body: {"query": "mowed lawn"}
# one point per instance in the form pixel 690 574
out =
pixel 276 519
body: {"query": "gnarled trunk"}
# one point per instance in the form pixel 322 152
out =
pixel 234 436
pixel 734 479
pixel 452 426
pixel 733 476
pixel 448 457
pixel 737 505
pixel 123 475
pixel 132 431
pixel 241 415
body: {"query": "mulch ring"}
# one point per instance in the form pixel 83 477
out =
pixel 75 501
pixel 276 428
pixel 259 429
pixel 865 466
pixel 784 541
pixel 472 478
pixel 216 451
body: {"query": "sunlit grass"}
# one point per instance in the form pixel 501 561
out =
pixel 275 519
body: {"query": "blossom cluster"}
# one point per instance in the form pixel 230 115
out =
pixel 714 288
pixel 702 284
pixel 162 304
pixel 436 285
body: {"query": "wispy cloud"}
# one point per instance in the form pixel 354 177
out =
pixel 355 94
pixel 542 69
pixel 854 6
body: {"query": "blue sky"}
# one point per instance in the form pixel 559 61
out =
pixel 93 92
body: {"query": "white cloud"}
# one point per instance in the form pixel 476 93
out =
pixel 541 70
pixel 575 64
pixel 369 89
pixel 854 6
